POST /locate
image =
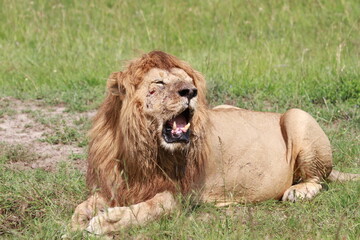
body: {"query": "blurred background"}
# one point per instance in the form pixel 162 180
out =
pixel 254 54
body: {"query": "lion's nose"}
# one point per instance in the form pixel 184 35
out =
pixel 188 92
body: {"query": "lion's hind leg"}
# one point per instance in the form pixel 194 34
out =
pixel 304 190
pixel 310 169
pixel 308 152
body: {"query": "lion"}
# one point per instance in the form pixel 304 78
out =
pixel 154 137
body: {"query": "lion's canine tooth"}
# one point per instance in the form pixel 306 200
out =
pixel 174 126
pixel 187 126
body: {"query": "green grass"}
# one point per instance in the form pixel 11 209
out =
pixel 260 55
pixel 65 135
pixel 64 50
pixel 36 205
pixel 11 153
pixel 5 109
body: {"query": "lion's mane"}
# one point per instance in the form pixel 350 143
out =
pixel 126 164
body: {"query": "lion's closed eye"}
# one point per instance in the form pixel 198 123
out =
pixel 159 82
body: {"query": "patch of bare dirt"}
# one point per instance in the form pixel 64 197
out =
pixel 20 126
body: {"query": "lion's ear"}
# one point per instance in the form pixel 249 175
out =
pixel 115 86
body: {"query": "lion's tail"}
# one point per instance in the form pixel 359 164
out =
pixel 336 176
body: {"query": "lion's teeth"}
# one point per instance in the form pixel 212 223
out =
pixel 174 126
pixel 187 126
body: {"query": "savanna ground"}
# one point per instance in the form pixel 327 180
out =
pixel 263 55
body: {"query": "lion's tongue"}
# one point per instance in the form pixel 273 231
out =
pixel 178 124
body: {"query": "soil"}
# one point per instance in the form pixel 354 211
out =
pixel 18 126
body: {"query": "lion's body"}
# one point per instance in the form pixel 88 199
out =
pixel 154 137
pixel 251 159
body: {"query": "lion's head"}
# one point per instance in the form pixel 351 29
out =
pixel 150 126
pixel 169 98
pixel 164 93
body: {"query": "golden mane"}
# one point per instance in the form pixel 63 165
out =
pixel 126 163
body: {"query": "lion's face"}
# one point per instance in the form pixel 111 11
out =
pixel 169 99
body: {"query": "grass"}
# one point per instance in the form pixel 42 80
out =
pixel 5 109
pixel 260 55
pixel 11 153
pixel 61 133
pixel 36 205
pixel 65 135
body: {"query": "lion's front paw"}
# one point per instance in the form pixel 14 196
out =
pixel 110 220
pixel 116 218
pixel 97 225
pixel 80 219
pixel 301 191
pixel 85 211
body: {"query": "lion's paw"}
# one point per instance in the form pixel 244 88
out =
pixel 86 211
pixel 110 220
pixel 97 225
pixel 81 218
pixel 301 191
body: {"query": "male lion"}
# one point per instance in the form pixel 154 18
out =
pixel 154 137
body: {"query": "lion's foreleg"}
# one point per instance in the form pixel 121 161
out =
pixel 113 219
pixel 87 210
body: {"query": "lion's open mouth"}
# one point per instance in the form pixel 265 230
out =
pixel 177 128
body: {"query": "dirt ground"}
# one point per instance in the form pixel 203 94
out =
pixel 27 123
